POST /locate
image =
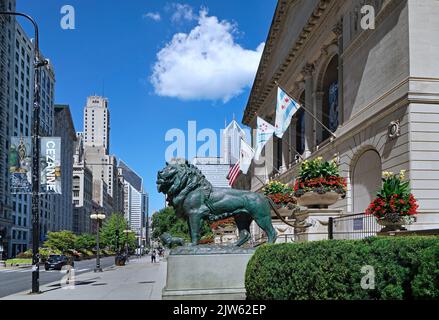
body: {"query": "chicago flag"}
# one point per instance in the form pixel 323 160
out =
pixel 285 109
pixel 264 132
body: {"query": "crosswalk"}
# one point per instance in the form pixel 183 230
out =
pixel 41 270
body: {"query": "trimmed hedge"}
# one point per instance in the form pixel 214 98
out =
pixel 405 268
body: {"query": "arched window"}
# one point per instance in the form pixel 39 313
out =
pixel 330 101
pixel 300 126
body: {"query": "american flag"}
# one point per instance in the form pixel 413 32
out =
pixel 233 174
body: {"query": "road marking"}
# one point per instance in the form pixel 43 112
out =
pixel 8 271
pixel 81 270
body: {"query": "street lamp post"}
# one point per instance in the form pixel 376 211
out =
pixel 117 241
pixel 38 63
pixel 98 217
pixel 1 248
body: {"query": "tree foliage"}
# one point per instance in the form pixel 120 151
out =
pixel 166 220
pixel 61 240
pixel 112 233
pixel 85 241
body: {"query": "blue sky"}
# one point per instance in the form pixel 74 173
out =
pixel 160 63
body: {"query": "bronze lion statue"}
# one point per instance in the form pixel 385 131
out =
pixel 194 199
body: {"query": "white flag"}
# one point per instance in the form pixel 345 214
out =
pixel 246 156
pixel 286 107
pixel 264 132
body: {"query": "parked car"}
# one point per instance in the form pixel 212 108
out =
pixel 56 262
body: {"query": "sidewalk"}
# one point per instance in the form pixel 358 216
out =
pixel 139 279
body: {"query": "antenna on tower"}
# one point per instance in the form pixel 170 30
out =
pixel 225 122
pixel 103 87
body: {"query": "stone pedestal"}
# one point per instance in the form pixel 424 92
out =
pixel 319 220
pixel 285 233
pixel 207 272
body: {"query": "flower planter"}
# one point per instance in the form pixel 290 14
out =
pixel 285 210
pixel 392 225
pixel 317 200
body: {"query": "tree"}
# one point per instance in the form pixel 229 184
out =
pixel 61 240
pixel 85 241
pixel 167 221
pixel 112 233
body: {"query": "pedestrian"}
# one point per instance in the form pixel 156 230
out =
pixel 153 256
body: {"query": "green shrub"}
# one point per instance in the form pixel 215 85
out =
pixel 86 253
pixel 426 282
pixel 405 268
pixel 17 261
pixel 25 255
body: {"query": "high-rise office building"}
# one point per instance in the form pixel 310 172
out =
pixel 82 189
pixel 231 142
pixel 17 63
pixel 65 129
pixel 7 30
pixel 136 200
pixel 106 186
pixel 216 169
pixel 97 123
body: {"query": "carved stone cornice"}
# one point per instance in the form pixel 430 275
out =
pixel 260 91
pixel 338 29
pixel 308 70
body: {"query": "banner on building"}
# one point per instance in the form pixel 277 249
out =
pixel 20 165
pixel 50 165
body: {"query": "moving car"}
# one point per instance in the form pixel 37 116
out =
pixel 56 262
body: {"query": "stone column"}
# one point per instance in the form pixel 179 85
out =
pixel 257 168
pixel 269 157
pixel 269 152
pixel 338 31
pixel 293 136
pixel 310 124
pixel 286 150
pixel 318 129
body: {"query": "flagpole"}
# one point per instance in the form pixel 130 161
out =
pixel 307 111
pixel 292 148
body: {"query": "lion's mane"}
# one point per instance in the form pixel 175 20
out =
pixel 187 179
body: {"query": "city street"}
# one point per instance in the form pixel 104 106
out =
pixel 139 279
pixel 18 280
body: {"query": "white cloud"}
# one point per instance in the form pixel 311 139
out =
pixel 153 15
pixel 205 64
pixel 182 12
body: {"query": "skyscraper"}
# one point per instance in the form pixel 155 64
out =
pixel 231 142
pixel 136 199
pixel 7 30
pixel 97 123
pixel 106 191
pixel 217 169
pixel 16 102
pixel 65 129
pixel 82 189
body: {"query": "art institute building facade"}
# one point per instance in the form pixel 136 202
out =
pixel 376 89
